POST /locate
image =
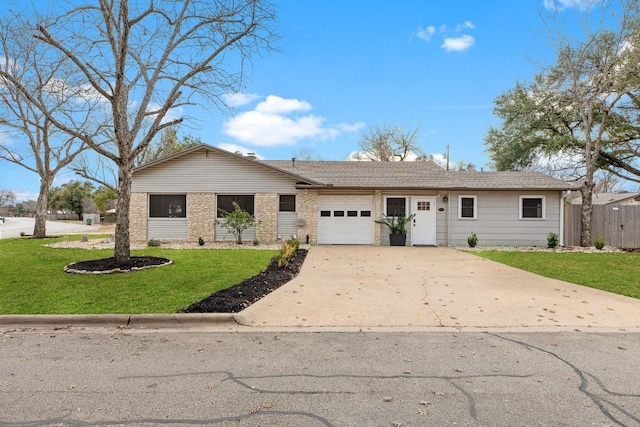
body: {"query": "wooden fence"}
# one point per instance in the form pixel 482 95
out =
pixel 619 225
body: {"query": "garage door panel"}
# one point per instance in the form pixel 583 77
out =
pixel 345 220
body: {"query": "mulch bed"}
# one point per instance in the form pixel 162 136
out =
pixel 242 295
pixel 110 265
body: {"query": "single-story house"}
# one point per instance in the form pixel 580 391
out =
pixel 179 197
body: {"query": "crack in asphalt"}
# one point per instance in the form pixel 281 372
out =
pixel 72 422
pixel 243 381
pixel 584 383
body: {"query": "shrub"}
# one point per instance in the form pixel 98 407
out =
pixel 598 242
pixel 287 252
pixel 472 240
pixel 22 234
pixel 255 242
pixel 153 243
pixel 552 240
pixel 200 241
pixel 237 221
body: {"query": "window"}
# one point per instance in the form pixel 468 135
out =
pixel 467 207
pixel 365 213
pixel 168 206
pixel 287 203
pixel 396 206
pixel 424 206
pixel 338 213
pixel 325 213
pixel 352 213
pixel 225 203
pixel 531 207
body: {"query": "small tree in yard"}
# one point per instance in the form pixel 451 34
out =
pixel 237 221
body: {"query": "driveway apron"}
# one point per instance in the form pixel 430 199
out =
pixel 373 286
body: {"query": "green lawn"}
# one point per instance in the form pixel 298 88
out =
pixel 32 279
pixel 614 272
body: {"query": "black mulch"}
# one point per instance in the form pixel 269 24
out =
pixel 110 265
pixel 242 295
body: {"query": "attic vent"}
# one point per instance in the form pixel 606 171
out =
pixel 251 156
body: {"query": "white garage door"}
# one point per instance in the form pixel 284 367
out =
pixel 345 220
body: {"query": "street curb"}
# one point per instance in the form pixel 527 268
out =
pixel 106 320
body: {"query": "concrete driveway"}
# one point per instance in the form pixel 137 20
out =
pixel 369 286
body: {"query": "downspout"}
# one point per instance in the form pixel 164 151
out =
pixel 449 218
pixel 561 220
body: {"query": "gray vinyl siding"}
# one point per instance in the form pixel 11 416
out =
pixel 167 228
pixel 287 225
pixel 199 172
pixel 223 235
pixel 441 221
pixel 498 222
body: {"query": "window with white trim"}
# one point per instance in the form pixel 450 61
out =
pixel 467 207
pixel 532 207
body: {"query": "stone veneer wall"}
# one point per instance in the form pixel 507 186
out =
pixel 308 212
pixel 138 215
pixel 266 213
pixel 201 216
pixel 377 214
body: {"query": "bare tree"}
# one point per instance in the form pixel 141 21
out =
pixel 7 197
pixel 32 78
pixel 388 144
pixel 145 61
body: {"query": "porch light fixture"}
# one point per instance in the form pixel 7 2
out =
pixel 445 199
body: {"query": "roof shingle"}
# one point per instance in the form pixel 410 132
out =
pixel 425 175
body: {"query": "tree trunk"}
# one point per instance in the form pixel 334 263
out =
pixel 122 251
pixel 586 213
pixel 40 227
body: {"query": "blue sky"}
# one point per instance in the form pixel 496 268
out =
pixel 347 65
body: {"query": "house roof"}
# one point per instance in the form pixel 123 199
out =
pixel 415 175
pixel 423 175
pixel 604 198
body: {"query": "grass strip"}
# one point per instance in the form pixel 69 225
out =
pixel 611 272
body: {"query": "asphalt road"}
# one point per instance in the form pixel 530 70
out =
pixel 71 377
pixel 13 226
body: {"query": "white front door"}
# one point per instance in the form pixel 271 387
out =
pixel 423 225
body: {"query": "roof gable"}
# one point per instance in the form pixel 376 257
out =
pixel 205 147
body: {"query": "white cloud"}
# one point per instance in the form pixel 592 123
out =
pixel 458 44
pixel 272 123
pixel 234 148
pixel 62 179
pixel 239 99
pixel 426 33
pixel 23 196
pixel 351 127
pixel 468 25
pixel 560 5
pixel 277 105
